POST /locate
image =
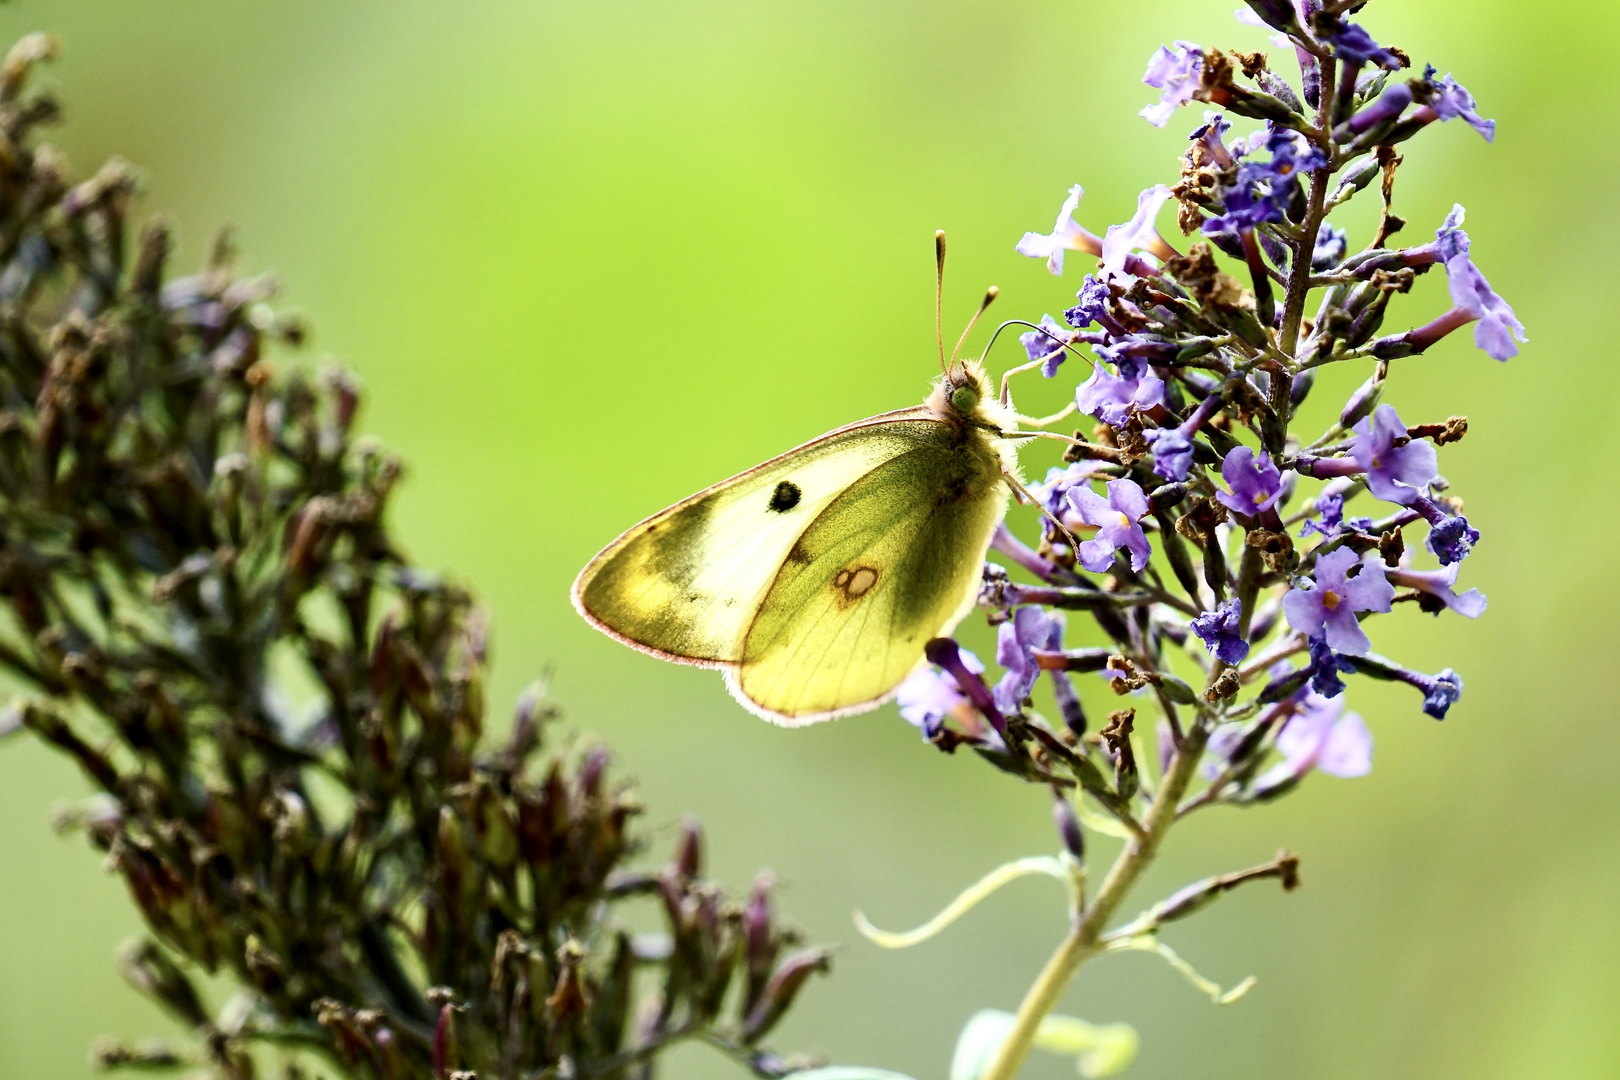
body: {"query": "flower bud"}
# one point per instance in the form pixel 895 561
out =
pixel 779 993
pixel 590 772
pixel 1362 402
pixel 1277 14
pixel 1068 702
pixel 148 969
pixel 1177 690
pixel 1300 388
pixel 1167 495
pixel 1068 825
pixel 761 943
pixel 689 851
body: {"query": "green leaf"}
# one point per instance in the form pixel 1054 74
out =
pixel 1099 1049
pixel 848 1072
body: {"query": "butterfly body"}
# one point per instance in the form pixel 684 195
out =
pixel 815 579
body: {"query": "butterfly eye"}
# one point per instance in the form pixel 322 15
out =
pixel 964 399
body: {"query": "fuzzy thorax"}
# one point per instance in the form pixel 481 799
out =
pixel 964 397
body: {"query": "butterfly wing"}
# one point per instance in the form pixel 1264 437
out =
pixel 685 584
pixel 891 562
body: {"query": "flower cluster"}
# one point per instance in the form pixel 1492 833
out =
pixel 384 888
pixel 1232 561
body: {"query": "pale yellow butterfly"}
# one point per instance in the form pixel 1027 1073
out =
pixel 815 580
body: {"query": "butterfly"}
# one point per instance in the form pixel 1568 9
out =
pixel 815 580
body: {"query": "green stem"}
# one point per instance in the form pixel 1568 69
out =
pixel 1299 275
pixel 1081 942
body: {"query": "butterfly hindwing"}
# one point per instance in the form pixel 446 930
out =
pixel 685 583
pixel 893 561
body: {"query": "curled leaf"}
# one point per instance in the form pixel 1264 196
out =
pixel 995 879
pixel 1150 943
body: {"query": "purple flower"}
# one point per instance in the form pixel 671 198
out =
pixel 1470 292
pixel 1450 240
pixel 1245 206
pixel 1218 629
pixel 1395 473
pixel 1331 507
pixel 1112 398
pixel 1054 491
pixel 1440 692
pixel 1178 75
pixel 1331 244
pixel 1093 305
pixel 1451 100
pixel 1354 45
pixel 1256 483
pixel 1452 539
pixel 1048 345
pixel 1242 209
pixel 1066 235
pixel 928 696
pixel 1116 519
pixel 1030 628
pixel 1438 583
pixel 1291 154
pixel 1325 666
pixel 1173 447
pixel 1319 737
pixel 1172 453
pixel 1327 607
pixel 1138 234
pixel 1210 133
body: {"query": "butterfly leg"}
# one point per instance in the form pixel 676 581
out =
pixel 1091 450
pixel 1006 378
pixel 1022 492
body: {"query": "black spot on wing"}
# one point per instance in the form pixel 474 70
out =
pixel 785 497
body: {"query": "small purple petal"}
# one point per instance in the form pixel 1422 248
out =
pixel 1396 474
pixel 1177 75
pixel 1066 235
pixel 1218 629
pixel 1256 483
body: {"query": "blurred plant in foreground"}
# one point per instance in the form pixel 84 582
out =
pixel 289 757
pixel 1228 610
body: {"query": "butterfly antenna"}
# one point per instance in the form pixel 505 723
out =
pixel 989 298
pixel 939 290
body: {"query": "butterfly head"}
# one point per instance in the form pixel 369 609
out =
pixel 963 396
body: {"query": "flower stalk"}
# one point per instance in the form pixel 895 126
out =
pixel 1189 553
pixel 1088 926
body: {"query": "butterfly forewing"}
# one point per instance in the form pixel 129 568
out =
pixel 686 583
pixel 891 562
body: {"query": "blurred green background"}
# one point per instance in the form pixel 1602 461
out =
pixel 591 257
